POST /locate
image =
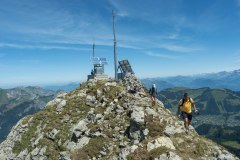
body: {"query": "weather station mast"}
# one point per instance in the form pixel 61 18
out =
pixel 115 43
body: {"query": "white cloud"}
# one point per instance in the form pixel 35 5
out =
pixel 178 48
pixel 43 47
pixel 161 55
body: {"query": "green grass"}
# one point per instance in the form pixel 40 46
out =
pixel 232 144
pixel 92 149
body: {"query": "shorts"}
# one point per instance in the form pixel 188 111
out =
pixel 187 115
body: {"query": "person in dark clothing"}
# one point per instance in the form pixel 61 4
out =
pixel 153 93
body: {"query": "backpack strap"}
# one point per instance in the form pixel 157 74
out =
pixel 183 100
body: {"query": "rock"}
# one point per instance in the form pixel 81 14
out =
pixel 226 156
pixel 114 84
pixel 62 95
pixel 133 148
pixel 115 100
pixel 145 132
pixel 40 136
pixel 51 135
pixel 171 130
pixel 98 117
pixel 99 93
pixel 91 116
pixel 79 129
pixel 125 105
pixel 135 132
pixel 137 114
pixel 43 151
pixel 35 151
pixel 65 155
pixel 103 153
pixel 22 155
pixel 61 105
pixel 82 142
pixel 90 100
pixel 150 111
pixel 160 142
pixel 169 155
pixel 54 102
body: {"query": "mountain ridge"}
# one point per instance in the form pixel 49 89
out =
pixel 18 102
pixel 224 79
pixel 106 120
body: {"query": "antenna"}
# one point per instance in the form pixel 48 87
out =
pixel 115 43
pixel 93 48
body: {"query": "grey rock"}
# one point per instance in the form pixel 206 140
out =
pixel 150 111
pixel 171 130
pixel 79 129
pixel 160 142
pixel 82 142
pixel 35 151
pixel 99 93
pixel 43 151
pixel 137 114
pixel 114 84
pixel 169 155
pixel 22 155
pixel 145 132
pixel 52 134
pixel 90 101
pixel 62 95
pixel 64 155
pixel 103 153
pixel 54 102
pixel 226 157
pixel 98 117
pixel 61 105
pixel 135 131
pixel 91 116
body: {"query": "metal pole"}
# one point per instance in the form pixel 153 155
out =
pixel 93 48
pixel 115 43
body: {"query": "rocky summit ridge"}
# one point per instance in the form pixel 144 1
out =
pixel 106 119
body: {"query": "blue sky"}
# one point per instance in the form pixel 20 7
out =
pixel 50 41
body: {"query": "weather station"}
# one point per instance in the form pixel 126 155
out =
pixel 98 67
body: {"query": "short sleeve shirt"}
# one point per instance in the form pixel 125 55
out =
pixel 187 106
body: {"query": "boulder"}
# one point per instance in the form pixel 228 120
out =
pixel 82 142
pixel 160 142
pixel 114 84
pixel 171 130
pixel 137 114
pixel 61 105
pixel 51 135
pixel 79 129
pixel 90 100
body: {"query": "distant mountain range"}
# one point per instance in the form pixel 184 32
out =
pixel 65 87
pixel 229 80
pixel 219 110
pixel 18 102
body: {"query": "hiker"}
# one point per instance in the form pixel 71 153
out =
pixel 153 93
pixel 186 108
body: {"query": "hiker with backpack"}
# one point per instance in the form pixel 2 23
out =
pixel 185 104
pixel 153 93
